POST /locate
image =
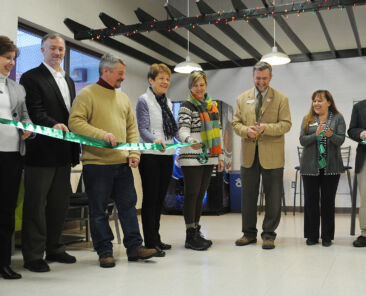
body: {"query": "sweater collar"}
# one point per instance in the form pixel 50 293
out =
pixel 104 83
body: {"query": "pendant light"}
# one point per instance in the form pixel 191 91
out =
pixel 275 57
pixel 187 66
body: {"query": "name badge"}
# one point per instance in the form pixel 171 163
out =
pixel 313 124
pixel 250 101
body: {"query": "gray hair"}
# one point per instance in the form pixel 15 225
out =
pixel 260 66
pixel 51 36
pixel 109 61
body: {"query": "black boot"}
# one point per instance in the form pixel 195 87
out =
pixel 194 241
pixel 198 229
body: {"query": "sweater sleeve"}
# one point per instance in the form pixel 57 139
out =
pixel 80 115
pixel 132 135
pixel 185 123
pixel 143 119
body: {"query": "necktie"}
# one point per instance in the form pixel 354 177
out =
pixel 258 106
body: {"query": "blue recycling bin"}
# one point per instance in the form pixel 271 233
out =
pixel 235 192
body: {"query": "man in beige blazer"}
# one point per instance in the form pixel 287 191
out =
pixel 261 119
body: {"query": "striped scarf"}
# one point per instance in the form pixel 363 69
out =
pixel 210 128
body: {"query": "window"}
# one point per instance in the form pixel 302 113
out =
pixel 82 63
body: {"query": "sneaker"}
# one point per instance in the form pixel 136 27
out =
pixel 268 244
pixel 61 258
pixel 245 240
pixel 38 265
pixel 143 253
pixel 360 242
pixel 106 260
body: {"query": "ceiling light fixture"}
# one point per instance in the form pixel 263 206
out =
pixel 187 66
pixel 275 57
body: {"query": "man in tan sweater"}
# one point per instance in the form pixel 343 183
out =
pixel 102 111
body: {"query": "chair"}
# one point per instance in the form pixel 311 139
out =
pixel 346 155
pixel 79 201
pixel 262 195
pixel 297 168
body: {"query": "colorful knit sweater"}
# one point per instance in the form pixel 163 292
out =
pixel 189 122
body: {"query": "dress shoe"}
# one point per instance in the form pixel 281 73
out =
pixel 8 273
pixel 106 260
pixel 326 242
pixel 268 244
pixel 38 265
pixel 164 246
pixel 311 242
pixel 61 258
pixel 360 242
pixel 245 240
pixel 143 253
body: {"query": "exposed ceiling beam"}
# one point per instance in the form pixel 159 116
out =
pixel 178 39
pixel 76 27
pixel 204 8
pixel 256 25
pixel 326 33
pixel 247 14
pixel 206 37
pixel 352 20
pixel 141 39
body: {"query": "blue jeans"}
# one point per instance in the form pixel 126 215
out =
pixel 103 183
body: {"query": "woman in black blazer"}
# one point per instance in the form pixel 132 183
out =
pixel 12 106
pixel 322 134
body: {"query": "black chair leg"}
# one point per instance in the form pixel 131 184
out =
pixel 295 191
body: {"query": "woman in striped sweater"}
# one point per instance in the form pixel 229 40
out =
pixel 198 120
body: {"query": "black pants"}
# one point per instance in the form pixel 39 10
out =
pixel 10 173
pixel 321 188
pixel 196 181
pixel 47 194
pixel 272 185
pixel 155 171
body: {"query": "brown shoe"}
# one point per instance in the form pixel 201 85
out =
pixel 106 260
pixel 143 253
pixel 268 244
pixel 245 240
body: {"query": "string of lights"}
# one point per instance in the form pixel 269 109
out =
pixel 221 16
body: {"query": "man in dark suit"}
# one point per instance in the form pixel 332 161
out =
pixel 49 95
pixel 357 132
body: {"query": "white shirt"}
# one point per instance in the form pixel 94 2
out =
pixel 8 134
pixel 61 83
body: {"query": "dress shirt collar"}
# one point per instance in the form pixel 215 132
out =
pixel 53 71
pixel 264 93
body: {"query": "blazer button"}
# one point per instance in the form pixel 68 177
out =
pixel 15 114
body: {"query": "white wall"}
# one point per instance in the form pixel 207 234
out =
pixel 344 78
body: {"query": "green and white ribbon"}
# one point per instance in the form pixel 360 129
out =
pixel 85 140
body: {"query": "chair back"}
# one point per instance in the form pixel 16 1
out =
pixel 346 155
pixel 299 152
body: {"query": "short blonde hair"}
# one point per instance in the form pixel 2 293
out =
pixel 155 69
pixel 194 76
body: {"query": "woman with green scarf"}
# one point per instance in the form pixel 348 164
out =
pixel 198 121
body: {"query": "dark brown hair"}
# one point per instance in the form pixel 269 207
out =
pixel 6 45
pixel 310 117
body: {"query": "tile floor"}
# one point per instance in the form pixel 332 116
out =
pixel 292 268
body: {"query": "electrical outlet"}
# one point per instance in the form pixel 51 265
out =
pixel 293 184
